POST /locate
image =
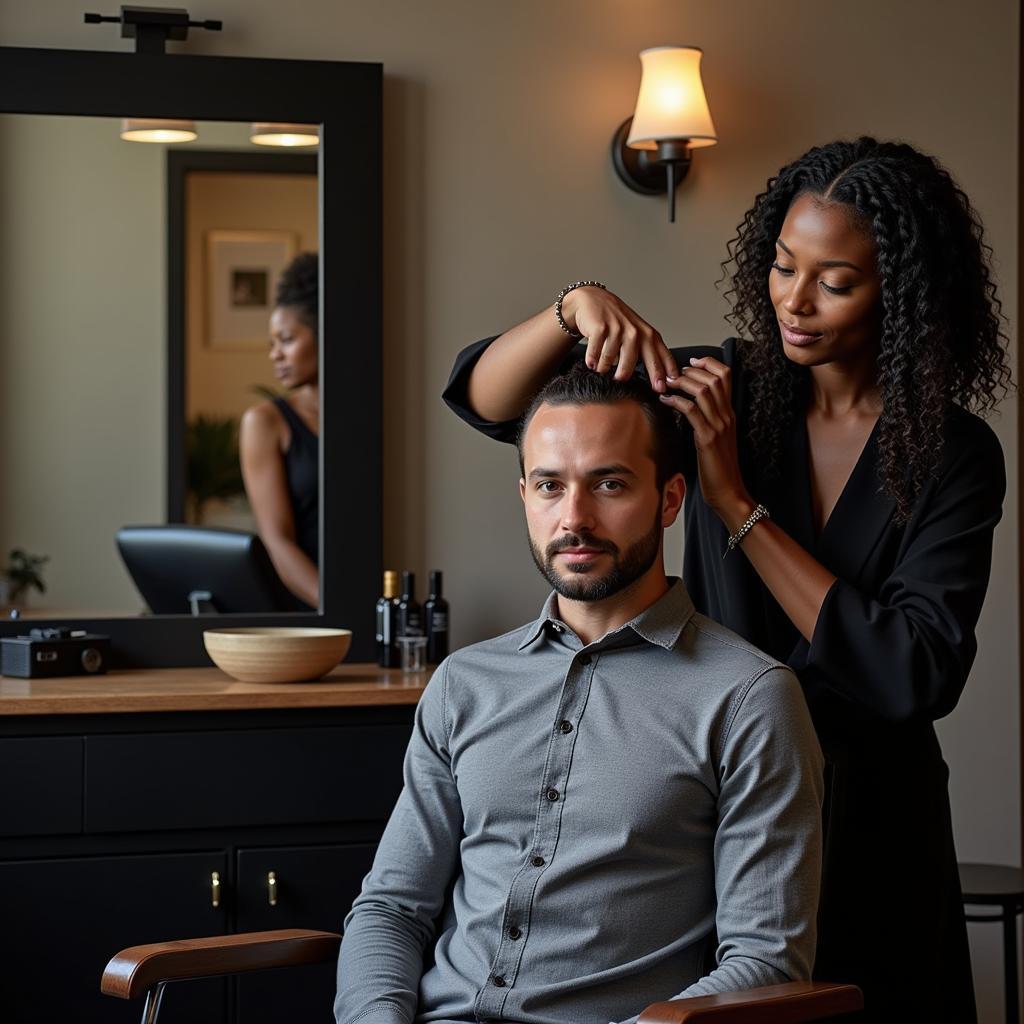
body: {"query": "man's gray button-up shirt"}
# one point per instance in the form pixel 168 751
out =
pixel 578 822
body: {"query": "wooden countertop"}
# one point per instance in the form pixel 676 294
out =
pixel 206 689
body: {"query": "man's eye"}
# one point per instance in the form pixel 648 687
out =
pixel 547 486
pixel 610 485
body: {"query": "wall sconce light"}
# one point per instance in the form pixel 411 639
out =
pixel 651 150
pixel 152 129
pixel 266 133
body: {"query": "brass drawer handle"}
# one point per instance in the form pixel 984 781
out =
pixel 215 889
pixel 272 888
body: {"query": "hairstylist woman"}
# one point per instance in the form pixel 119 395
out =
pixel 279 438
pixel 836 455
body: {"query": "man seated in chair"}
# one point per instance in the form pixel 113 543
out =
pixel 596 798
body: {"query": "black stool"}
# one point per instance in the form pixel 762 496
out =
pixel 994 885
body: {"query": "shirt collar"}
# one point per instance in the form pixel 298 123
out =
pixel 660 623
pixel 548 614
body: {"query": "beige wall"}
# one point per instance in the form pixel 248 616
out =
pixel 82 380
pixel 498 190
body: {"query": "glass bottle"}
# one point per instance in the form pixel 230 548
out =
pixel 410 619
pixel 435 618
pixel 387 622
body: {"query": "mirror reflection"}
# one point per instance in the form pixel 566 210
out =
pixel 84 374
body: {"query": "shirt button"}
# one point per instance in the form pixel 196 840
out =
pixel 499 981
pixel 537 861
pixel 514 933
pixel 552 795
pixel 565 726
pixel 556 627
pixel 584 659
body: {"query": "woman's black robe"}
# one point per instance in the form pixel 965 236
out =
pixel 890 654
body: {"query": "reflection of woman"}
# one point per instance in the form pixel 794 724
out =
pixel 279 441
pixel 861 281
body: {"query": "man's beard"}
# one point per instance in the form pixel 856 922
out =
pixel 582 585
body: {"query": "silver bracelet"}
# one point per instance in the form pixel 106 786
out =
pixel 562 294
pixel 759 513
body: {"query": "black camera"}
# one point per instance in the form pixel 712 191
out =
pixel 54 651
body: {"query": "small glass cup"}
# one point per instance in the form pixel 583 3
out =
pixel 414 652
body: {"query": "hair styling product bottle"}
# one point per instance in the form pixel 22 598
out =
pixel 435 616
pixel 410 619
pixel 388 654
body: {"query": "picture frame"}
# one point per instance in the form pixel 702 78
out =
pixel 243 268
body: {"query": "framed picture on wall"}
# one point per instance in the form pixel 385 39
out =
pixel 242 271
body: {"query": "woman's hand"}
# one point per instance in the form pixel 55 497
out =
pixel 618 337
pixel 709 411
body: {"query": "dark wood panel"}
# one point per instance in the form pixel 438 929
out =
pixel 42 786
pixel 237 778
pixel 64 919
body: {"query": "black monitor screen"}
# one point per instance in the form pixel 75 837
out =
pixel 179 570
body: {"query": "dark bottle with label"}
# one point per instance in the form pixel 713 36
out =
pixel 410 619
pixel 388 654
pixel 435 618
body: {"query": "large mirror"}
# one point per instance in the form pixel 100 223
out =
pixel 139 283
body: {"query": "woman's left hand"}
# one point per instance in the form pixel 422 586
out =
pixel 709 411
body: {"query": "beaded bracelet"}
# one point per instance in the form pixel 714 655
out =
pixel 562 294
pixel 759 513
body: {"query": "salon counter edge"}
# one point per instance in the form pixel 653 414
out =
pixel 206 689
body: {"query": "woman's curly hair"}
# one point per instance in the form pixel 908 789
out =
pixel 299 286
pixel 942 340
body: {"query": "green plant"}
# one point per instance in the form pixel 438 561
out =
pixel 24 573
pixel 211 453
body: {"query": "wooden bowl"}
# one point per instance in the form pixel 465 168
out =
pixel 276 654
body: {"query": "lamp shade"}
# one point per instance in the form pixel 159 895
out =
pixel 152 129
pixel 276 133
pixel 671 103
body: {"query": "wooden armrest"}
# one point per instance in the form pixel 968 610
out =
pixel 789 1003
pixel 133 971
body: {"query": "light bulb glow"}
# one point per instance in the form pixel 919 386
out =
pixel 150 129
pixel 671 103
pixel 291 135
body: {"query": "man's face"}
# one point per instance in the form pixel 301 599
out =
pixel 594 513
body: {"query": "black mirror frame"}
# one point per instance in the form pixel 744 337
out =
pixel 344 98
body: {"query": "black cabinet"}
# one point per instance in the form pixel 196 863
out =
pixel 113 828
pixel 295 887
pixel 63 919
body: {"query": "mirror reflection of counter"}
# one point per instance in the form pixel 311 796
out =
pixel 126 793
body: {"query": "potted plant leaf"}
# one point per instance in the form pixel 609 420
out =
pixel 214 470
pixel 24 572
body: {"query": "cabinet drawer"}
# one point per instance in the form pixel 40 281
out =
pixel 64 919
pixel 314 887
pixel 42 786
pixel 242 777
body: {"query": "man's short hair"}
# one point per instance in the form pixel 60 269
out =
pixel 579 385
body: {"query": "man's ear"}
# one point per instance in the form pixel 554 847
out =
pixel 672 495
pixel 522 489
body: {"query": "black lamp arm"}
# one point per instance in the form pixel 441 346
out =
pixel 651 172
pixel 151 27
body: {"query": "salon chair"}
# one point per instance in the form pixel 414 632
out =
pixel 145 970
